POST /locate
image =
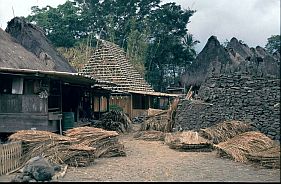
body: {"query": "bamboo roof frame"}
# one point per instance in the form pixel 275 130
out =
pixel 109 62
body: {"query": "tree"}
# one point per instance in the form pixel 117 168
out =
pixel 62 24
pixel 137 45
pixel 154 36
pixel 273 44
pixel 169 49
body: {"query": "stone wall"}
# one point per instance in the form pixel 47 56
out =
pixel 249 98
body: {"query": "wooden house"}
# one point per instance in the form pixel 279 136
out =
pixel 132 93
pixel 34 95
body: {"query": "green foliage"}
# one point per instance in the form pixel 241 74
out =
pixel 137 46
pixel 77 55
pixel 154 36
pixel 273 44
pixel 61 24
pixel 114 107
pixel 171 47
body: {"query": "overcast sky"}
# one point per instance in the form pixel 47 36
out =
pixel 252 21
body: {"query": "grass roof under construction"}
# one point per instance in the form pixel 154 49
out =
pixel 109 62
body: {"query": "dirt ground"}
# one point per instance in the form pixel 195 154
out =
pixel 155 161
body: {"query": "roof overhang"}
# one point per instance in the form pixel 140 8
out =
pixel 76 78
pixel 153 93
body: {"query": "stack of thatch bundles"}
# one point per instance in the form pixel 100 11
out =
pixel 158 122
pixel 161 120
pixel 269 157
pixel 56 148
pixel 224 131
pixel 150 135
pixel 105 142
pixel 188 141
pixel 238 147
pixel 114 121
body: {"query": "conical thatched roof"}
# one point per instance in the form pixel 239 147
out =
pixel 33 39
pixel 215 58
pixel 13 55
pixel 109 62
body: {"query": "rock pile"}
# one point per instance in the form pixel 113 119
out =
pixel 38 169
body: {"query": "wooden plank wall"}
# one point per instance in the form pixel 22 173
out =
pixel 10 155
pixel 34 104
pixel 12 122
pixel 124 102
pixel 103 103
pixel 10 103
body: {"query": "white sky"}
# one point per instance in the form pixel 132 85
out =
pixel 252 21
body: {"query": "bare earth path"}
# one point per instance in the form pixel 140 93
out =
pixel 155 161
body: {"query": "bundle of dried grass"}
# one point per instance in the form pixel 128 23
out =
pixel 161 120
pixel 238 147
pixel 158 122
pixel 105 142
pixel 224 131
pixel 114 121
pixel 56 148
pixel 188 141
pixel 152 112
pixel 269 158
pixel 150 135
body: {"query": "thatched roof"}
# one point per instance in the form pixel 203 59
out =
pixel 213 52
pixel 109 62
pixel 217 59
pixel 14 55
pixel 33 38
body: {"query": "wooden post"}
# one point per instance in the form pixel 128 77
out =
pixel 131 107
pixel 60 97
pixel 99 106
pixel 61 108
pixel 107 101
pixel 149 101
pixel 60 127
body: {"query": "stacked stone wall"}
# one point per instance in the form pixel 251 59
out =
pixel 252 99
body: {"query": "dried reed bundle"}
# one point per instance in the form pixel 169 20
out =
pixel 269 157
pixel 161 120
pixel 114 121
pixel 224 131
pixel 56 148
pixel 187 141
pixel 158 122
pixel 150 135
pixel 105 142
pixel 239 146
pixel 38 135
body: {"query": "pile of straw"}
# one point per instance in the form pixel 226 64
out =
pixel 114 121
pixel 104 142
pixel 224 131
pixel 150 135
pixel 158 122
pixel 56 148
pixel 269 158
pixel 188 141
pixel 161 120
pixel 238 147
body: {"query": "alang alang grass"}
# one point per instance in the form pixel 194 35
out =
pixel 251 146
